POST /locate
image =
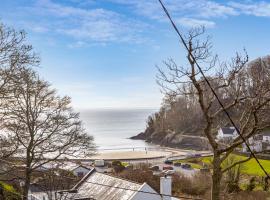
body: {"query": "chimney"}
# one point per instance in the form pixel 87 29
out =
pixel 166 187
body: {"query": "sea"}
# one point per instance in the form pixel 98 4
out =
pixel 112 128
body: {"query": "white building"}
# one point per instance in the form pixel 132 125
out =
pixel 227 133
pixel 266 136
pixel 37 193
pixel 81 170
pixel 255 145
pixel 99 186
pixel 259 142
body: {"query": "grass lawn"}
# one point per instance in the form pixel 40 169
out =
pixel 250 167
pixel 195 166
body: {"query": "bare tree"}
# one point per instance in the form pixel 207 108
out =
pixel 14 53
pixel 242 87
pixel 44 124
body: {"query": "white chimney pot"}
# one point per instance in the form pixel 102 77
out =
pixel 166 187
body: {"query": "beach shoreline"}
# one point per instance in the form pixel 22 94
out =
pixel 144 154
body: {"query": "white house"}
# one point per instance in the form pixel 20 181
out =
pixel 101 186
pixel 37 193
pixel 259 142
pixel 77 169
pixel 227 133
pixel 255 145
pixel 266 136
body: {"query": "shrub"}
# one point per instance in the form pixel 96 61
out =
pixel 244 195
pixel 141 176
pixel 118 166
pixel 199 184
pixel 252 184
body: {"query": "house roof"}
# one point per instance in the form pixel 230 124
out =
pixel 105 187
pixel 228 130
pixel 82 166
pixel 265 133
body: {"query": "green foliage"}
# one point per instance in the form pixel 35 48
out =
pixel 7 187
pixel 252 184
pixel 232 175
pixel 9 192
pixel 118 166
pixel 250 167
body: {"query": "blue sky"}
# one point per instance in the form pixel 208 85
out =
pixel 103 53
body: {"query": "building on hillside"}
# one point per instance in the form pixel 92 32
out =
pixel 265 136
pixel 227 133
pixel 255 145
pixel 99 186
pixel 259 142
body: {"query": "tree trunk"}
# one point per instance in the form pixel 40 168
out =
pixel 216 177
pixel 28 173
pixel 26 184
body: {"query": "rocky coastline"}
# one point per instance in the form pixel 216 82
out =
pixel 174 140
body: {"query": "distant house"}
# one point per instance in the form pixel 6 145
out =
pixel 101 186
pixel 81 170
pixel 37 193
pixel 226 133
pixel 259 142
pixel 254 144
pixel 266 136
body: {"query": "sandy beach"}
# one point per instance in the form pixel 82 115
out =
pixel 142 154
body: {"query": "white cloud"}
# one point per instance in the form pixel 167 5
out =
pixel 183 8
pixel 77 44
pixel 94 24
pixel 103 25
pixel 259 9
pixel 39 29
pixel 191 22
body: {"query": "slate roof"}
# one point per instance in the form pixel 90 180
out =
pixel 88 168
pixel 265 133
pixel 228 130
pixel 87 189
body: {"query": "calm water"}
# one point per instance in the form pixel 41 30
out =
pixel 111 128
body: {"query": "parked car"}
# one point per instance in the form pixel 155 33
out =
pixel 190 155
pixel 168 162
pixel 205 170
pixel 167 168
pixel 154 168
pixel 186 166
pixel 170 172
pixel 177 164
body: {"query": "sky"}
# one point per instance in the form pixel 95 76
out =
pixel 104 53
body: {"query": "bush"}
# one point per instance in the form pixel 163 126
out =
pixel 199 184
pixel 244 195
pixel 252 184
pixel 118 166
pixel 8 192
pixel 141 176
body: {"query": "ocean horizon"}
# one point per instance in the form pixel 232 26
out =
pixel 112 128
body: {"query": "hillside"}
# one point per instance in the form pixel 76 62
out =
pixel 180 122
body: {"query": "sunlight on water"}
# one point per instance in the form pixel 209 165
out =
pixel 111 128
